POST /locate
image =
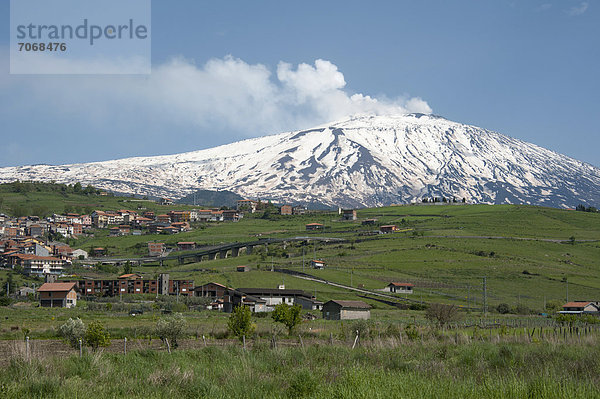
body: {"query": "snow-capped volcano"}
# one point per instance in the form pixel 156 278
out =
pixel 362 161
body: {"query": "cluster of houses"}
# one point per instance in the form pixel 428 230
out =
pixel 223 298
pixel 68 225
pixel 35 256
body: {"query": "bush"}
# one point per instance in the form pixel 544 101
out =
pixel 522 309
pixel 95 336
pixel 554 305
pixel 240 322
pixel 171 328
pixel 442 314
pixel 5 301
pixel 72 331
pixel 503 308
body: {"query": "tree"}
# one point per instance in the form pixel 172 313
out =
pixel 127 269
pixel 171 328
pixel 442 314
pixel 72 331
pixel 95 336
pixel 77 188
pixel 289 316
pixel 10 281
pixel 240 322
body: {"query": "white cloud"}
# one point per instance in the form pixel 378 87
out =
pixel 579 9
pixel 225 94
pixel 544 7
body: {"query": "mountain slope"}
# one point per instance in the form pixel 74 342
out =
pixel 362 161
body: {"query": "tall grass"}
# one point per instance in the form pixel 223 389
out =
pixel 417 370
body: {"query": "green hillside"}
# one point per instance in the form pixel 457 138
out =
pixel 527 253
pixel 44 199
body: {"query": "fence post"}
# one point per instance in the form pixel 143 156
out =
pixel 168 346
pixel 301 342
pixel 27 354
pixel 80 348
pixel 125 346
pixel 244 341
pixel 355 340
pixel 330 338
pixel 204 340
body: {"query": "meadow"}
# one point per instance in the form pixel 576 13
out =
pixel 375 370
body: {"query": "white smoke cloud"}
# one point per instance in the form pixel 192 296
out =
pixel 227 94
pixel 579 9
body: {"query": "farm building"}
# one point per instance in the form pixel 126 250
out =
pixel 314 226
pixel 212 290
pixel 186 246
pixel 317 264
pixel 388 228
pixel 346 310
pixel 581 307
pixel 348 214
pixel 276 296
pixel 243 268
pixel 58 295
pixel 400 288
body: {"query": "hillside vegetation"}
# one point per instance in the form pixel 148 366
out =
pixel 528 254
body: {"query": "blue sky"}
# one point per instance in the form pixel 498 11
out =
pixel 225 71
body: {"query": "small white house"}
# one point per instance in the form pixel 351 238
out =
pixel 400 288
pixel 78 253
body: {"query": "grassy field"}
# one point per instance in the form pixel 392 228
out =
pixel 411 370
pixel 529 255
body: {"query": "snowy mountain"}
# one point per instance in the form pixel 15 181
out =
pixel 362 161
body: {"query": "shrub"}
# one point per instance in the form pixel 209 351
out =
pixel 522 309
pixel 240 322
pixel 503 308
pixel 95 336
pixel 5 301
pixel 171 328
pixel 411 332
pixel 72 331
pixel 554 305
pixel 442 314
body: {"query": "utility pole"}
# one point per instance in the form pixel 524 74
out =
pixel 567 290
pixel 544 303
pixel 468 295
pixel 484 295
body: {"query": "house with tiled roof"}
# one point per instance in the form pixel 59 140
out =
pixel 581 307
pixel 58 295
